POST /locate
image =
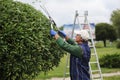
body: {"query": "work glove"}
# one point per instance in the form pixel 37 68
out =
pixel 52 32
pixel 61 33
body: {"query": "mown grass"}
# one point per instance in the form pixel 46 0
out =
pixel 56 72
pixel 112 78
pixel 59 71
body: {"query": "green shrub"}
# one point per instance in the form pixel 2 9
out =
pixel 110 61
pixel 118 44
pixel 26 48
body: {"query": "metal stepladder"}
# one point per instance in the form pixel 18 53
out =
pixel 94 66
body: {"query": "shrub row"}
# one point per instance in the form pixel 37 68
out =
pixel 110 61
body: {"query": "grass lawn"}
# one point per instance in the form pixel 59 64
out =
pixel 112 78
pixel 59 71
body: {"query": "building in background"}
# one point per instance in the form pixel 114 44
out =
pixel 68 29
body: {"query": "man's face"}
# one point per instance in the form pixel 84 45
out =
pixel 78 38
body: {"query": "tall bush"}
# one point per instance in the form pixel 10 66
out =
pixel 26 47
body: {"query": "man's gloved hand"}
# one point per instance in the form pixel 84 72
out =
pixel 61 33
pixel 53 33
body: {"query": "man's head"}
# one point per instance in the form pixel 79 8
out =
pixel 78 38
pixel 82 35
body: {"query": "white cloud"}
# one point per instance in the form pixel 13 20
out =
pixel 63 11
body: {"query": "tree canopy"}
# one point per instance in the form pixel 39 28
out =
pixel 105 31
pixel 115 18
pixel 26 48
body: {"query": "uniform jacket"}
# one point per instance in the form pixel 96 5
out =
pixel 79 58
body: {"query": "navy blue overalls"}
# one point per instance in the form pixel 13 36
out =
pixel 79 67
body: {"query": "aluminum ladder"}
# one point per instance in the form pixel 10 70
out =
pixel 94 65
pixel 94 62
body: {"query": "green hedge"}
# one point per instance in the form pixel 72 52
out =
pixel 110 61
pixel 26 48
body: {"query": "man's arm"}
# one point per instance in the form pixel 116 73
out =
pixel 72 49
pixel 70 41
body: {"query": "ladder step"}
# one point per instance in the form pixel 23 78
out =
pixel 91 46
pixel 95 70
pixel 96 79
pixel 97 76
pixel 68 66
pixel 67 73
pixel 93 54
pixel 93 62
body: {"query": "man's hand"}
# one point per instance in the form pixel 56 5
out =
pixel 53 33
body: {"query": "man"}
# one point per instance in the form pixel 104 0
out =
pixel 80 53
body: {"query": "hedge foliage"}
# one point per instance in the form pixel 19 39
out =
pixel 110 61
pixel 26 48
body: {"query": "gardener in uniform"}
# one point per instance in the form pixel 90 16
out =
pixel 80 53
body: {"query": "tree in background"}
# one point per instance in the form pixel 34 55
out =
pixel 26 48
pixel 115 18
pixel 105 31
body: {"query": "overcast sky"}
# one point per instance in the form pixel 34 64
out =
pixel 63 11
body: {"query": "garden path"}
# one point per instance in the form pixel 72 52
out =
pixel 104 75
